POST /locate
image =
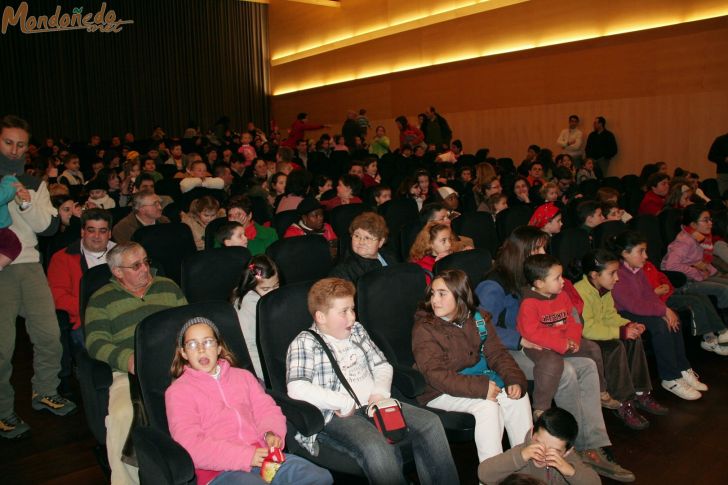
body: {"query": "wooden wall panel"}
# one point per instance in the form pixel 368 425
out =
pixel 664 93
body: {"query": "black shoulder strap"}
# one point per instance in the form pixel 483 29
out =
pixel 335 366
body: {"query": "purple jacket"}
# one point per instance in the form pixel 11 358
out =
pixel 220 422
pixel 633 294
pixel 682 254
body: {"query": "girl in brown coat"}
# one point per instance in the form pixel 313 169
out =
pixel 466 367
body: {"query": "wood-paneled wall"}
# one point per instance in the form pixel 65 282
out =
pixel 663 91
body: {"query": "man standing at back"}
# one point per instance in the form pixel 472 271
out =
pixel 25 291
pixel 601 146
pixel 571 141
pixel 718 154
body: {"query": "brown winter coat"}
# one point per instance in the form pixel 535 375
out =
pixel 441 349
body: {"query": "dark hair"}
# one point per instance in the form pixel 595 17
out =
pixel 508 264
pixel 692 213
pixel 225 232
pixel 597 260
pixel 240 202
pixel 586 209
pixel 302 116
pixel 259 267
pixel 602 121
pixel 404 187
pixel 297 182
pixel 561 173
pixel 560 424
pixel 535 148
pixel 12 121
pixel 142 177
pixel 625 241
pixel 96 215
pixel 402 120
pixel 353 182
pixel 656 178
pixel 458 283
pixel 574 117
pixel 428 210
pixel 537 267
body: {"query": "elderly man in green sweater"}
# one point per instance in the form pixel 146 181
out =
pixel 112 314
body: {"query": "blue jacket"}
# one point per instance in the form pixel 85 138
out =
pixel 504 309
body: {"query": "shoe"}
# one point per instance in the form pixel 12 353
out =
pixel 692 378
pixel 646 402
pixel 608 401
pixel 682 389
pixel 714 346
pixel 13 427
pixel 630 417
pixel 603 463
pixel 60 406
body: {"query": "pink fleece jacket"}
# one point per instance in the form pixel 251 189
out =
pixel 682 254
pixel 220 422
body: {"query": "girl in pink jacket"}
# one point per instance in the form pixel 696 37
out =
pixel 222 416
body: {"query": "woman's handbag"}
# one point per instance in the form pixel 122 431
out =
pixel 386 414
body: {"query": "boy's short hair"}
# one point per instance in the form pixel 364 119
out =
pixel 537 267
pixel 656 178
pixel 607 206
pixel 242 202
pixel 586 209
pixel 379 189
pixel 605 193
pixel 322 293
pixel 560 424
pixel 226 231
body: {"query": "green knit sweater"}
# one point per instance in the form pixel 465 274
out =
pixel 113 314
pixel 601 320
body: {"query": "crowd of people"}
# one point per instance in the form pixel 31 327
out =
pixel 574 326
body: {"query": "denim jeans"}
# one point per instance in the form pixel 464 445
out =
pixel 669 346
pixel 716 286
pixel 705 317
pixel 578 393
pixel 295 470
pixel 357 437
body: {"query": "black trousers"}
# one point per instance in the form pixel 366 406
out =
pixel 625 368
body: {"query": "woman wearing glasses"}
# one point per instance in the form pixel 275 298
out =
pixel 368 234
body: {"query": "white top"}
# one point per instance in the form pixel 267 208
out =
pixel 246 316
pixel 96 258
pixel 571 141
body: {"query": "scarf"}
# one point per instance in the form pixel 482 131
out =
pixel 706 244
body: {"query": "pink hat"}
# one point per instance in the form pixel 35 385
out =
pixel 543 215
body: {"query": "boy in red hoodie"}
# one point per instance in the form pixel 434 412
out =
pixel 548 318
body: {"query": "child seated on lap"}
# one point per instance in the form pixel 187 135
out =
pixel 547 318
pixel 311 378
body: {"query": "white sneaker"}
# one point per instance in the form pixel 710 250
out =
pixel 723 337
pixel 691 378
pixel 681 389
pixel 713 346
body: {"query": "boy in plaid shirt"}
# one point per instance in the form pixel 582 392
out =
pixel 311 378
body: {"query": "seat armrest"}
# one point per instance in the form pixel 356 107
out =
pixel 677 279
pixel 305 417
pixel 161 459
pixel 408 381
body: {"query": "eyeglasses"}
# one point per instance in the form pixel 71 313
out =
pixel 155 203
pixel 136 266
pixel 366 239
pixel 706 220
pixel 208 343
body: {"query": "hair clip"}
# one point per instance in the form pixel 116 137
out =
pixel 251 267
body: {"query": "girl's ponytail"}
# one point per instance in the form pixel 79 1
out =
pixel 259 267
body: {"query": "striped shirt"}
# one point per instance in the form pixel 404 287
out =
pixel 113 314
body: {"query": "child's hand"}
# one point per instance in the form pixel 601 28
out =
pixel 22 192
pixel 697 236
pixel 554 459
pixel 632 333
pixel 493 390
pixel 527 344
pixel 535 452
pixel 662 289
pixel 259 456
pixel 673 322
pixel 273 440
pixel 375 398
pixel 514 391
pixel 571 346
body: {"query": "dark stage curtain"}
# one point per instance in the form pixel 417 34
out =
pixel 181 61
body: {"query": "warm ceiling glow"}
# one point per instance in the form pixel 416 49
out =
pixel 493 50
pixel 424 18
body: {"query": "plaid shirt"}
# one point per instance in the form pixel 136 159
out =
pixel 306 360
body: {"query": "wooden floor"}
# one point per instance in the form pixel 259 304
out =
pixel 687 446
